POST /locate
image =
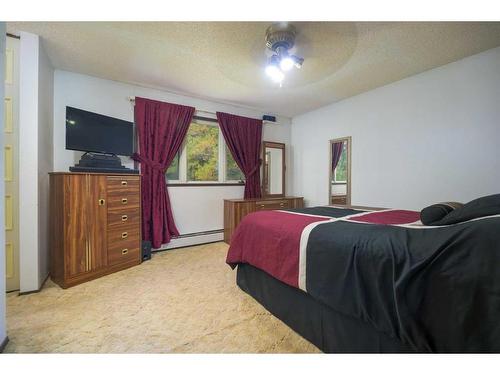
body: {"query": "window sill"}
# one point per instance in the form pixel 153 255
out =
pixel 204 184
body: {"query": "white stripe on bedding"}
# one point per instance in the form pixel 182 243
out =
pixel 418 224
pixel 302 214
pixel 329 217
pixel 304 239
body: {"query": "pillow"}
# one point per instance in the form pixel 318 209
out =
pixel 432 214
pixel 484 206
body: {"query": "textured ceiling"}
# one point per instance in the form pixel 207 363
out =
pixel 224 61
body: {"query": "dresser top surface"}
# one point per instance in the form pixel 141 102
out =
pixel 261 199
pixel 95 173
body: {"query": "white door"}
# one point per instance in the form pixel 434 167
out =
pixel 11 177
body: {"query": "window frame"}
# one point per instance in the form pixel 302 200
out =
pixel 221 162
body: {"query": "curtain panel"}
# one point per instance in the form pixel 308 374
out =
pixel 337 148
pixel 243 137
pixel 161 129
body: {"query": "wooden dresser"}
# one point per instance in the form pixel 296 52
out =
pixel 95 225
pixel 236 209
pixel 339 199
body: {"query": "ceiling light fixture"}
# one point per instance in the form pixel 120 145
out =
pixel 286 64
pixel 273 69
pixel 280 39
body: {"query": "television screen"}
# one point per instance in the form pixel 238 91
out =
pixel 91 132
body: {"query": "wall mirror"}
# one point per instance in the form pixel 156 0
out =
pixel 339 192
pixel 273 169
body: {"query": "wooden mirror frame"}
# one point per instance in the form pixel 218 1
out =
pixel 330 174
pixel 283 168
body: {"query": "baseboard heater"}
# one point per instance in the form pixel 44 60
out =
pixel 191 239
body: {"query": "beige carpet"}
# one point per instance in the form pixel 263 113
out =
pixel 182 301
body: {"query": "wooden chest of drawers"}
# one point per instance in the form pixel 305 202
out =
pixel 95 225
pixel 236 209
pixel 339 199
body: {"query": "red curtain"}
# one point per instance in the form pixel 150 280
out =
pixel 161 129
pixel 337 148
pixel 243 137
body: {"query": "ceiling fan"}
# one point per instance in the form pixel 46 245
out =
pixel 280 39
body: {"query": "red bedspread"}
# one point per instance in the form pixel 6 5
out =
pixel 273 241
pixel 270 240
pixel 388 217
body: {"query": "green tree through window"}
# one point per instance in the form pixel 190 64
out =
pixel 233 172
pixel 200 157
pixel 341 170
pixel 173 170
pixel 202 152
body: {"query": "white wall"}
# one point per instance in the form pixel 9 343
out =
pixel 45 157
pixel 3 328
pixel 195 209
pixel 35 160
pixel 428 138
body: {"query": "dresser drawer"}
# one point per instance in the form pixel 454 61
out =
pixel 124 217
pixel 123 202
pixel 123 252
pixel 119 185
pixel 276 204
pixel 122 234
pixel 339 199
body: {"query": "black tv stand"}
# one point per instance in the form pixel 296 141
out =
pixel 101 163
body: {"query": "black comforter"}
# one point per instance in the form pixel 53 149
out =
pixel 436 289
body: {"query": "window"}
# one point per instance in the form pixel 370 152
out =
pixel 340 175
pixel 233 172
pixel 204 157
pixel 202 147
pixel 173 171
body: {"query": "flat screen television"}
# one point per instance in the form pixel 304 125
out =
pixel 92 132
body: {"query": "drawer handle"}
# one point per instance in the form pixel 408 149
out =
pixel 124 200
pixel 124 235
pixel 124 251
pixel 282 204
pixel 262 206
pixel 124 183
pixel 124 217
pixel 101 202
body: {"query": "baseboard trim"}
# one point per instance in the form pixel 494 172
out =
pixel 4 344
pixel 204 233
pixel 192 239
pixel 161 250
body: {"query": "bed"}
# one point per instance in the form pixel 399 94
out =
pixel 362 281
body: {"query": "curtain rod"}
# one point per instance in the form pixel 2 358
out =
pixel 13 36
pixel 132 100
